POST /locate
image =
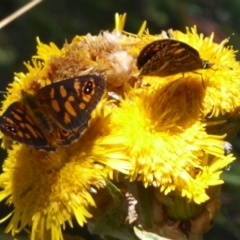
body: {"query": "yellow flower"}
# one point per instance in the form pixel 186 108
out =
pixel 47 190
pixel 50 189
pixel 152 133
pixel 167 150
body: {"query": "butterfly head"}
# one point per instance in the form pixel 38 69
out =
pixel 206 64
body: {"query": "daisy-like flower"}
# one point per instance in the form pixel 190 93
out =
pixel 159 139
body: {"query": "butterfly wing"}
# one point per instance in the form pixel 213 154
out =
pixel 176 57
pixel 65 138
pixel 70 102
pixel 18 125
pixel 150 50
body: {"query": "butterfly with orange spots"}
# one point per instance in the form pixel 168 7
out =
pixel 56 115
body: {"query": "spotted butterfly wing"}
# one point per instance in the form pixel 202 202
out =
pixel 18 125
pixel 70 102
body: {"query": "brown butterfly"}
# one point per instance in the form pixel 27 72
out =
pixel 167 57
pixel 56 116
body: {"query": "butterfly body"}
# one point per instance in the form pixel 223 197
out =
pixel 56 116
pixel 167 57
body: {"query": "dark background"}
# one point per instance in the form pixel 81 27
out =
pixel 61 20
